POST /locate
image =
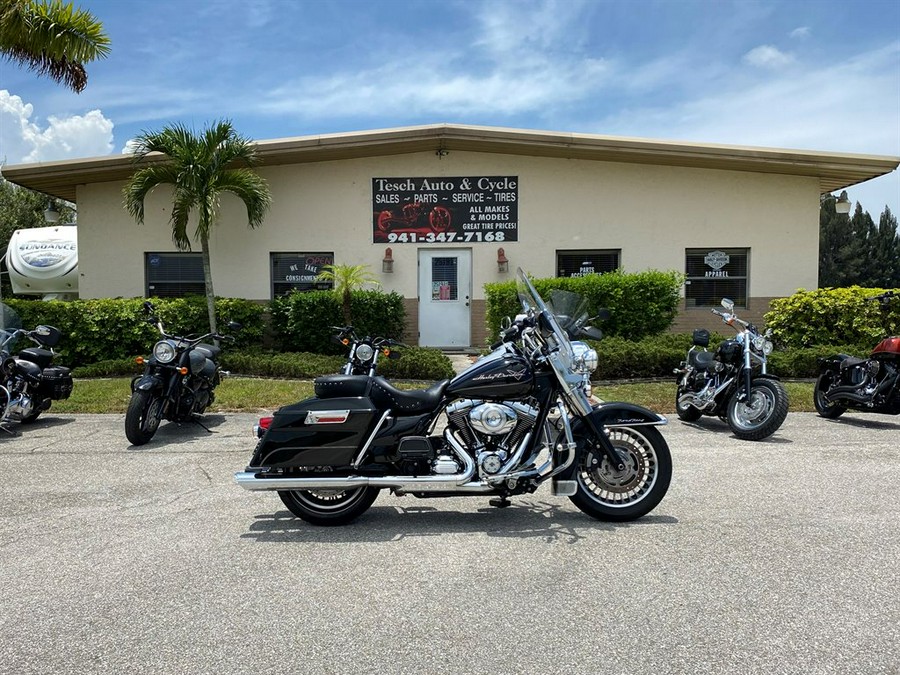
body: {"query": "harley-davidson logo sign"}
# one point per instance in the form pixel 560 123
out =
pixel 717 259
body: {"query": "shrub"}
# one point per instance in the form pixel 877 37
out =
pixel 640 304
pixel 417 363
pixel 104 329
pixel 832 316
pixel 303 321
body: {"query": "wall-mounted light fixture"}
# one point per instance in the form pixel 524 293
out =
pixel 51 215
pixel 502 262
pixel 387 264
pixel 441 153
pixel 841 204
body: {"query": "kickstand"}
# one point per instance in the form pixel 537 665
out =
pixel 196 420
pixel 499 502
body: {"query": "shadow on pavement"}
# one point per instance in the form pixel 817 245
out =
pixel 522 519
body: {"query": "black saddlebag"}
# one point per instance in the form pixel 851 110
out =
pixel 56 383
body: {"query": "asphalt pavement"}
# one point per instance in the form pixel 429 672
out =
pixel 780 556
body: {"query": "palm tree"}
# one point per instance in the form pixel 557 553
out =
pixel 52 38
pixel 347 278
pixel 200 168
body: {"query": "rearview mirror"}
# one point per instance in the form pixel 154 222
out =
pixel 728 304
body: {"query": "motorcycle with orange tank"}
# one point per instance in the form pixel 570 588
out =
pixel 866 385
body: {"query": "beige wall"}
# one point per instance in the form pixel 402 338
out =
pixel 651 213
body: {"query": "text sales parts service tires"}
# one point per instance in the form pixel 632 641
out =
pixel 825 407
pixel 606 493
pixel 142 417
pixel 762 414
pixel 687 413
pixel 329 507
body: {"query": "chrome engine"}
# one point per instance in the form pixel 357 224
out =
pixel 493 432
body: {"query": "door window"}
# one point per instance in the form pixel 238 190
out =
pixel 444 279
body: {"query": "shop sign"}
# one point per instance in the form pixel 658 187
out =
pixel 300 269
pixel 717 260
pixel 445 210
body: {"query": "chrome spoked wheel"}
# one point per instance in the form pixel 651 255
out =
pixel 761 414
pixel 609 493
pixel 328 507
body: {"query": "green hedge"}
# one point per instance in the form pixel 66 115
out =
pixel 301 322
pixel 832 316
pixel 640 304
pixel 104 329
pixel 415 363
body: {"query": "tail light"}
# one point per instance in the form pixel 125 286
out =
pixel 263 426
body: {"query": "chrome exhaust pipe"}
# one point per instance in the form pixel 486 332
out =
pixel 249 480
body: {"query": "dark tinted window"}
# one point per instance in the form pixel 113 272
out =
pixel 173 275
pixel 579 263
pixel 716 273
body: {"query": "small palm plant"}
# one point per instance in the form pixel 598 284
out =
pixel 346 279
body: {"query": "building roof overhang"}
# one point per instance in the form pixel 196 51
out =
pixel 835 171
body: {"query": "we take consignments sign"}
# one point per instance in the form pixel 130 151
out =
pixel 445 210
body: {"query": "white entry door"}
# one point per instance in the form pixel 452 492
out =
pixel 445 292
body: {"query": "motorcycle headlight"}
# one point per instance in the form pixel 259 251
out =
pixel 364 352
pixel 164 352
pixel 586 360
pixel 760 344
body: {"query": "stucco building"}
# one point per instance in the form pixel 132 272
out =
pixel 438 211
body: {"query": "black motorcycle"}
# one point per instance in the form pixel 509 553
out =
pixel 362 358
pixel 178 383
pixel 726 384
pixel 517 418
pixel 28 380
pixel 867 385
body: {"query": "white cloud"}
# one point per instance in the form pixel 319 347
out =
pixel 802 32
pixel 767 56
pixel 25 140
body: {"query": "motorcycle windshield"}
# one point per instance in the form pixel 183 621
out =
pixel 9 324
pixel 571 309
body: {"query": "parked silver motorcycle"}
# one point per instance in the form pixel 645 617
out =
pixel 726 383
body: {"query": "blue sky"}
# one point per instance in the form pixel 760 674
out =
pixel 815 75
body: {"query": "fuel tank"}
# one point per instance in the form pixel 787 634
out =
pixel 888 347
pixel 498 375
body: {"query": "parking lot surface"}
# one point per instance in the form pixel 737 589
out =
pixel 780 556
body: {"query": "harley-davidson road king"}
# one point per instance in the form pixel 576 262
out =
pixel 517 418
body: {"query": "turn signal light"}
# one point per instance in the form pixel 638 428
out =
pixel 346 341
pixel 183 370
pixel 139 360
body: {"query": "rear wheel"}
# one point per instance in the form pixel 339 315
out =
pixel 329 507
pixel 142 417
pixel 606 493
pixel 687 413
pixel 760 415
pixel 825 407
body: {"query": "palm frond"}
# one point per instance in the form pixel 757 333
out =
pixel 52 38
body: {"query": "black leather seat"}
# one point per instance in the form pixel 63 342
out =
pixel 851 362
pixel 702 360
pixel 382 393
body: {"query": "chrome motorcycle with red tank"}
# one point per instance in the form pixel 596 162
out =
pixel 866 385
pixel 516 419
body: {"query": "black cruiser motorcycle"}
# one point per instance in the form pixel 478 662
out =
pixel 866 385
pixel 724 383
pixel 28 380
pixel 517 418
pixel 178 383
pixel 362 358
